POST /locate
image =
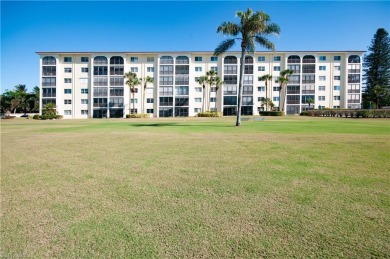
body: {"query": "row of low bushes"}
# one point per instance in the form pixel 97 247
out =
pixel 209 114
pixel 47 117
pixel 138 115
pixel 271 113
pixel 346 113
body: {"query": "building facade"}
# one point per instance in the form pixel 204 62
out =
pixel 92 84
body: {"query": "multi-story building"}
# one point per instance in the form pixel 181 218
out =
pixel 92 84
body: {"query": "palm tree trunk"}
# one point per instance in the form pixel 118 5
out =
pixel 143 100
pixel 266 95
pixel 209 100
pixel 133 103
pixel 242 69
pixel 216 94
pixel 204 96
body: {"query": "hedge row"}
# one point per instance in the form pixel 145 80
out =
pixel 138 115
pixel 355 113
pixel 209 114
pixel 271 113
pixel 47 117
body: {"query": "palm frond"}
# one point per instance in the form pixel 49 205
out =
pixel 265 42
pixel 229 28
pixel 272 28
pixel 224 46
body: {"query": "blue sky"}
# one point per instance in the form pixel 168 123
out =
pixel 31 26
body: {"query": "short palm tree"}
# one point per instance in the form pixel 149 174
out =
pixel 145 81
pixel 309 101
pixel 211 76
pixel 202 81
pixel 132 81
pixel 218 83
pixel 266 78
pixel 283 80
pixel 253 28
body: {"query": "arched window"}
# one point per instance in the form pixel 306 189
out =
pixel 166 60
pixel 293 59
pixel 248 60
pixel 48 60
pixel 354 59
pixel 182 60
pixel 309 59
pixel 230 60
pixel 100 60
pixel 116 60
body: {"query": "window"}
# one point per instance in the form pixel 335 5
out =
pixel 308 89
pixel 354 68
pixel 84 91
pixel 67 101
pixel 134 69
pixel 166 60
pixel 309 59
pixel 165 90
pixel 198 69
pixel 322 78
pixel 67 91
pixel 135 100
pixel 133 59
pixel 67 59
pixel 321 88
pixel 213 99
pixel 84 59
pixel 308 69
pixel 248 79
pixel 100 91
pixel 276 88
pixel 68 80
pixel 336 77
pixel 294 59
pixel 336 97
pixel 166 70
pixel 49 70
pixel 150 69
pixel 336 88
pixel 214 69
pixel 308 79
pixel 230 100
pixel 277 58
pixel 354 88
pixel 83 80
pixel 149 110
pixel 247 100
pixel 116 81
pixel 84 101
pixel 198 59
pixel 230 69
pixel 166 101
pixel 322 68
pixel 49 92
pixel 67 70
pixel 116 91
pixel 67 112
pixel 197 109
pixel 149 100
pixel 84 112
pixel 276 68
pixel 261 68
pixel 261 88
pixel 321 98
pixel 181 90
pixel 198 100
pixel 84 70
pixel 149 59
pixel 337 58
pixel 275 98
pixel 336 68
pixel 229 89
pixel 100 70
pixel 214 58
pixel 336 107
pixel 354 59
pixel 353 78
pixel 198 89
pixel 322 58
pixel 261 58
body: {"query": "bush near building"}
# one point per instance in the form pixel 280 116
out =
pixel 348 113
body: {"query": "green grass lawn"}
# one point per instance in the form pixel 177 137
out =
pixel 195 187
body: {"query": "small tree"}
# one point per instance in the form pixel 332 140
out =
pixel 132 81
pixel 266 79
pixel 202 81
pixel 309 101
pixel 49 109
pixel 218 83
pixel 145 81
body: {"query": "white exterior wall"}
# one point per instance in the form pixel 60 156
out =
pixel 78 79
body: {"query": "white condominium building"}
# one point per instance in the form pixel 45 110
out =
pixel 92 84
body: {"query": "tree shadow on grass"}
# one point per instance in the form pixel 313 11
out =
pixel 173 124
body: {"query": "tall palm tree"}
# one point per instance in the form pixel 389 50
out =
pixel 21 97
pixel 218 83
pixel 132 81
pixel 145 81
pixel 211 76
pixel 202 81
pixel 253 28
pixel 266 78
pixel 283 80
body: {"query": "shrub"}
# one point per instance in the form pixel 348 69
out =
pixel 209 114
pixel 47 117
pixel 271 113
pixel 138 115
pixel 348 113
pixel 6 117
